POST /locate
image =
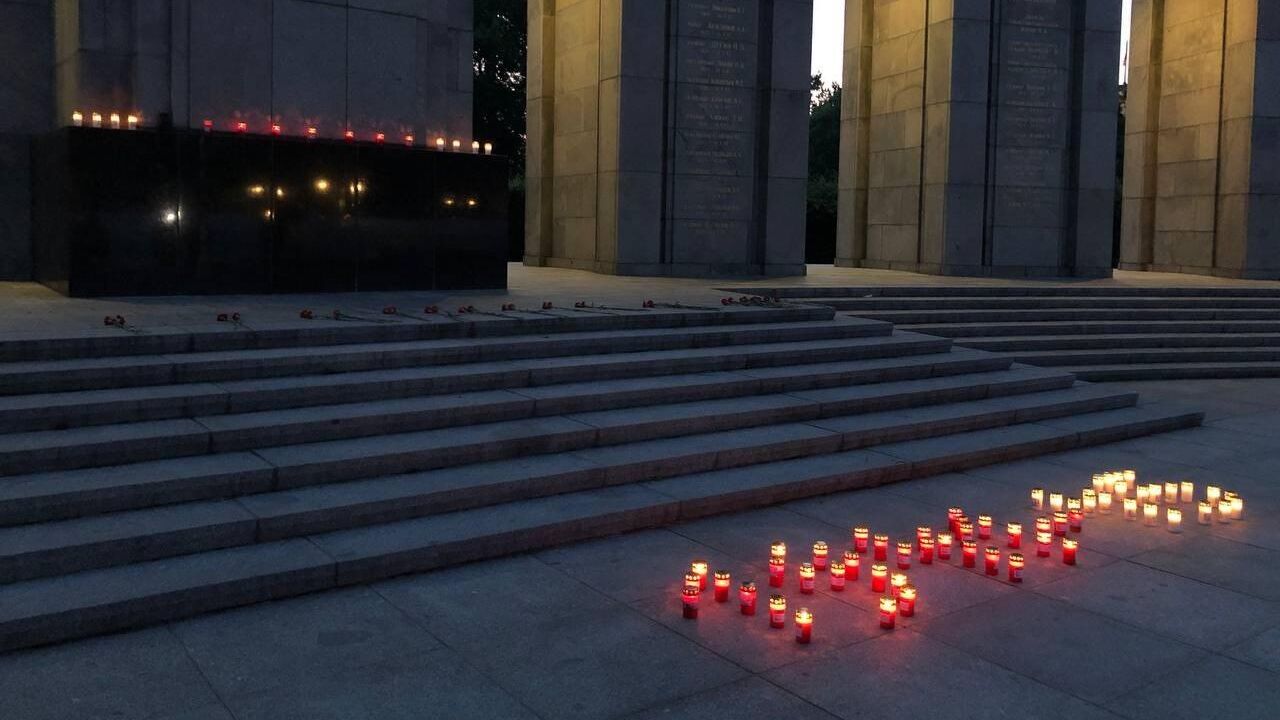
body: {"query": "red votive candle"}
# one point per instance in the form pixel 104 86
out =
pixel 966 530
pixel 984 527
pixel 777 571
pixel 777 611
pixel 953 518
pixel 747 598
pixel 1075 520
pixel 881 545
pixel 879 578
pixel 923 532
pixel 1060 523
pixel 993 560
pixel 888 613
pixel 907 601
pixel 699 568
pixel 904 555
pixel 852 564
pixel 804 626
pixel 689 596
pixel 897 581
pixel 1044 540
pixel 1016 563
pixel 808 578
pixel 926 551
pixel 820 553
pixel 778 549
pixel 969 549
pixel 1069 548
pixel 945 542
pixel 692 580
pixel 860 537
pixel 1014 529
pixel 722 586
pixel 1044 524
pixel 836 573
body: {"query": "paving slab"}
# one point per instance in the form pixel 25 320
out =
pixel 1262 650
pixel 1215 687
pixel 1221 563
pixel 752 697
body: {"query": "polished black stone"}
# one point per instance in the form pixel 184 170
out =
pixel 151 212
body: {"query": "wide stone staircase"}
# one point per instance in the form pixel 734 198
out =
pixel 1098 333
pixel 150 477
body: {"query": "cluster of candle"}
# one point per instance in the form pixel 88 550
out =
pixel 1149 498
pixel 114 120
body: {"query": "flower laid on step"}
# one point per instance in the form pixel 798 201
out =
pixel 726 301
pixel 648 304
pixel 580 304
pixel 547 305
pixel 307 315
pixel 117 321
pixel 508 307
pixel 390 310
pixel 431 310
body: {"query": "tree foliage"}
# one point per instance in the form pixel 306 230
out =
pixel 501 39
pixel 824 170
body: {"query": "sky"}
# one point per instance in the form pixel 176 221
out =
pixel 828 37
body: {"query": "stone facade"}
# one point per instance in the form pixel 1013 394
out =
pixel 1202 177
pixel 978 138
pixel 666 137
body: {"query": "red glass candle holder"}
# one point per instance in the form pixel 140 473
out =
pixel 777 571
pixel 966 530
pixel 820 553
pixel 689 597
pixel 777 611
pixel 945 542
pixel 923 532
pixel 881 545
pixel 861 536
pixel 778 549
pixel 993 560
pixel 1044 524
pixel 692 580
pixel 897 581
pixel 852 564
pixel 1016 563
pixel 1075 520
pixel 1044 541
pixel 804 626
pixel 836 574
pixel 879 578
pixel 926 551
pixel 808 578
pixel 1014 530
pixel 1060 523
pixel 907 601
pixel 747 598
pixel 722 583
pixel 904 555
pixel 699 568
pixel 953 519
pixel 985 524
pixel 888 613
pixel 1069 549
pixel 969 549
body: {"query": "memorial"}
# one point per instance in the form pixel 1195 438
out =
pixel 979 138
pixel 667 138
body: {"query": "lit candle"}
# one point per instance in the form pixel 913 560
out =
pixel 1121 489
pixel 777 611
pixel 747 598
pixel 966 530
pixel 276 129
pixel 380 137
pixel 969 549
pixel 1130 509
pixel 1037 498
pixel 1074 503
pixel 904 555
pixel 1224 510
pixel 1109 482
pixel 881 545
pixel 896 582
pixel 1055 501
pixel 860 537
pixel 1044 524
pixel 778 549
pixel 242 126
pixel 488 148
pixel 808 578
pixel 722 586
pixel 993 560
pixel 1237 507
pixel 1089 500
pixel 1069 549
pixel 804 626
pixel 922 532
pixel 1154 493
pixel 1130 476
pixel 115 121
pixel 131 122
pixel 475 146
pixel 907 601
pixel 1043 542
pixel 1174 518
pixel 1171 492
pixel 699 568
pixel 1142 494
pixel 984 527
pixel 1099 482
pixel 879 578
pixel 777 571
pixel 96 120
pixel 836 573
pixel 1075 520
pixel 691 580
pixel 1016 563
pixel 820 553
pixel 1204 512
pixel 408 140
pixel 1104 502
pixel 77 118
pixel 852 565
pixel 690 596
pixel 945 541
pixel 1213 493
pixel 457 145
pixel 888 613
pixel 1060 523
pixel 1188 489
pixel 926 551
pixel 1150 511
pixel 1014 530
pixel 953 518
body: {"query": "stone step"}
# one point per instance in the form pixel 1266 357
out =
pixel 53 411
pixel 923 317
pixel 104 372
pixel 1041 343
pixel 1137 372
pixel 27 498
pixel 46 549
pixel 1116 327
pixel 857 305
pixel 98 601
pixel 1002 290
pixel 1146 356
pixel 104 342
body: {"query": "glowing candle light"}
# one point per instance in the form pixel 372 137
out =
pixel 380 137
pixel 313 132
pixel 852 565
pixel 1204 512
pixel 1150 512
pixel 1121 489
pixel 953 518
pixel 820 553
pixel 879 578
pixel 860 537
pixel 1014 531
pixel 904 555
pixel 1060 521
pixel 1099 482
pixel 881 545
pixel 1056 501
pixel 692 580
pixel 747 598
pixel 1016 563
pixel 907 600
pixel 1104 502
pixel 1044 524
pixel 1130 509
pixel 804 626
pixel 777 571
pixel 408 140
pixel 1089 500
pixel 969 550
pixel 944 544
pixel 926 551
pixel 440 143
pixel 993 560
pixel 1171 492
pixel 77 118
pixel 1109 482
pixel 836 573
pixel 778 549
pixel 699 568
pixel 1074 503
pixel 690 597
pixel 896 582
pixel 1037 498
pixel 1224 510
pixel 457 145
pixel 1237 507
pixel 984 527
pixel 1141 491
pixel 242 126
pixel 95 119
pixel 1044 540
pixel 488 148
pixel 1129 476
pixel 349 135
pixel 923 532
pixel 1075 520
pixel 115 121
pixel 1212 493
pixel 808 578
pixel 777 611
pixel 1173 516
pixel 1188 491
pixel 723 581
pixel 131 122
pixel 1154 493
pixel 888 613
pixel 1069 549
pixel 276 129
pixel 966 530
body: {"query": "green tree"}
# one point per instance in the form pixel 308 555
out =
pixel 824 171
pixel 501 39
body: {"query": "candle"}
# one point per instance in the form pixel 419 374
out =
pixel 1055 501
pixel 945 541
pixel 993 560
pixel 1016 563
pixel 1174 518
pixel 1104 502
pixel 1188 489
pixel 1069 548
pixel 922 533
pixel 1224 510
pixel 777 571
pixel 1130 509
pixel 722 586
pixel 692 580
pixel 1130 476
pixel 881 545
pixel 1153 493
pixel 907 601
pixel 904 555
pixel 1237 507
pixel 888 613
pixel 1099 482
pixel 1109 482
pixel 1149 513
pixel 699 568
pixel 804 626
pixel 966 530
pixel 440 143
pixel 1171 492
pixel 475 146
pixel 1037 498
pixel 1075 520
pixel 879 578
pixel 1014 531
pixel 836 573
pixel 969 549
pixel 1089 500
pixel 1043 541
pixel 1142 494
pixel 984 527
pixel 852 564
pixel 926 551
pixel 488 148
pixel 896 582
pixel 1204 512
pixel 115 121
pixel 820 555
pixel 860 536
pixel 953 518
pixel 77 118
pixel 1044 524
pixel 777 611
pixel 1060 523
pixel 457 145
pixel 1212 493
pixel 689 597
pixel 778 549
pixel 807 578
pixel 1074 504
pixel 96 119
pixel 747 598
